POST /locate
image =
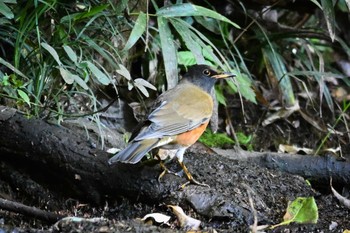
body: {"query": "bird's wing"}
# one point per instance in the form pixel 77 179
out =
pixel 179 110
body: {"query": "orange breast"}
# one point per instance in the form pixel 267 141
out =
pixel 190 137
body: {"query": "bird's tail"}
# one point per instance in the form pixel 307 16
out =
pixel 134 152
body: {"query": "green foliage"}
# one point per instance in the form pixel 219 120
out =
pixel 5 10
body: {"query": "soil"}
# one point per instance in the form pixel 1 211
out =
pixel 271 190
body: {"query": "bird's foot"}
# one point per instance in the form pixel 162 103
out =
pixel 166 171
pixel 193 181
pixel 190 178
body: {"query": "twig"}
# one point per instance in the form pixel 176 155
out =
pixel 29 211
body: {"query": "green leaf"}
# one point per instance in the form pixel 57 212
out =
pixel 191 44
pixel 302 210
pixel 244 86
pixel 186 58
pixel 145 83
pixel 328 11
pixel 53 52
pixel 66 75
pixel 141 84
pixel 137 31
pixel 124 72
pixel 5 10
pixel 101 77
pixel 209 24
pixel 24 96
pixel 188 9
pixel 87 14
pixel 71 54
pixel 102 51
pixel 11 67
pixel 207 49
pixel 168 52
pixel 317 3
pixel 275 61
pixel 220 95
pixel 80 82
pixel 69 78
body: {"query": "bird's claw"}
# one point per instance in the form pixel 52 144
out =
pixel 193 181
pixel 167 171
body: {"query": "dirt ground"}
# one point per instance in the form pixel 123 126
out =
pixel 271 190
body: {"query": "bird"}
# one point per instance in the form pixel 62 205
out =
pixel 177 119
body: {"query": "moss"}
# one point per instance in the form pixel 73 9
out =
pixel 211 139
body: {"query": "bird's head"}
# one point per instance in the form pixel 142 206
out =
pixel 205 76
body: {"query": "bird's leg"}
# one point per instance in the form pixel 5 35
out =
pixel 179 155
pixel 190 177
pixel 165 169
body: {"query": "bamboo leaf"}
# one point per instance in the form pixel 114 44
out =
pixel 53 52
pixel 244 85
pixel 66 75
pixel 328 11
pixel 348 4
pixel 71 54
pixel 124 72
pixel 101 77
pixel 92 11
pixel 191 44
pixel 274 60
pixel 208 47
pixel 168 52
pixel 80 82
pixel 188 9
pixel 142 89
pixel 186 58
pixel 317 3
pixel 145 83
pixel 137 31
pixel 5 10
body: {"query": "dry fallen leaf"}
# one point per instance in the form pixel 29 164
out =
pixel 292 149
pixel 344 201
pixel 157 217
pixel 186 222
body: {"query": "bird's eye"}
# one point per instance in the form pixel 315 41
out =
pixel 206 72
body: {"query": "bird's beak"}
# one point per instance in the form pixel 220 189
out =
pixel 224 75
